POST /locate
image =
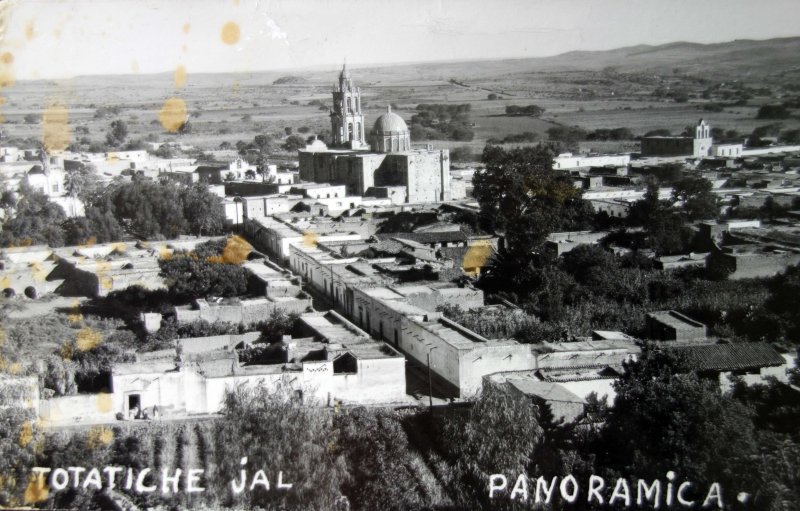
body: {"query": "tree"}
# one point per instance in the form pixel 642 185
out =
pixel 203 274
pixel 698 200
pixel 117 133
pixel 498 437
pixel 263 143
pixel 294 142
pixel 521 195
pixel 567 135
pixel 663 421
pixel 203 210
pixel 380 464
pixel 661 132
pixel 277 433
pixel 773 112
pixel 36 221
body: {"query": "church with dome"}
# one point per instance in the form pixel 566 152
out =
pixel 388 167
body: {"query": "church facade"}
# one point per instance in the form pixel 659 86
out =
pixel 390 168
pixel 698 146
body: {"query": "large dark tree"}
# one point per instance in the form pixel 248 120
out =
pixel 663 421
pixel 521 196
pixel 699 202
pixel 36 220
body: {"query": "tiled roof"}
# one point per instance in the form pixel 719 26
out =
pixel 729 357
pixel 427 237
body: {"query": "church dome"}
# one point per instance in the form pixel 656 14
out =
pixel 390 123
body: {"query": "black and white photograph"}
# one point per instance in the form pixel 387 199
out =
pixel 361 255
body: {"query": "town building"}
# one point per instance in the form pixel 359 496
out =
pixel 697 146
pixel 673 326
pixel 424 173
pixel 336 363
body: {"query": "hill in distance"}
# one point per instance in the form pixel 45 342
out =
pixel 739 59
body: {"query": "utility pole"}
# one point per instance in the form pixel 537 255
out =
pixel 430 384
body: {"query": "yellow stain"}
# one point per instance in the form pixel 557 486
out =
pixel 15 368
pixel 172 114
pixel 66 351
pixel 37 272
pixel 88 338
pixel 230 33
pixel 310 239
pixel 92 241
pixel 30 32
pixel 55 128
pixel 120 247
pixel 106 282
pixel 186 28
pixel 477 256
pixel 75 315
pixel 135 66
pixel 36 491
pixel 104 402
pixel 236 250
pixel 112 158
pixel 6 78
pixel 5 282
pixel 184 48
pixel 180 76
pixel 99 436
pixel 7 57
pixel 102 266
pixel 25 434
pixel 164 253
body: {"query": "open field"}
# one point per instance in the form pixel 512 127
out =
pixel 591 90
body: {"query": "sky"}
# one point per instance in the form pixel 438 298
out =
pixel 65 38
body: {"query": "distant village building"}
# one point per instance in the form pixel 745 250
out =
pixel 697 146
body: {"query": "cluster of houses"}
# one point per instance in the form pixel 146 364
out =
pixel 368 302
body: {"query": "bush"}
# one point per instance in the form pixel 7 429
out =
pixel 773 112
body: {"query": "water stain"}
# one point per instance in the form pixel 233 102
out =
pixel 88 338
pixel 36 491
pixel 477 256
pixel 75 316
pixel 172 114
pixel 104 402
pixel 7 57
pixel 180 76
pixel 236 251
pixel 30 31
pixel 38 273
pixel 186 27
pixel 230 33
pixel 6 78
pixel 25 434
pixel 310 239
pixel 98 437
pixel 55 128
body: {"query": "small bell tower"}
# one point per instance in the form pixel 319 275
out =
pixel 347 120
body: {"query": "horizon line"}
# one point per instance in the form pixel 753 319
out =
pixel 371 65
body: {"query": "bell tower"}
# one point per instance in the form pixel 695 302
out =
pixel 347 121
